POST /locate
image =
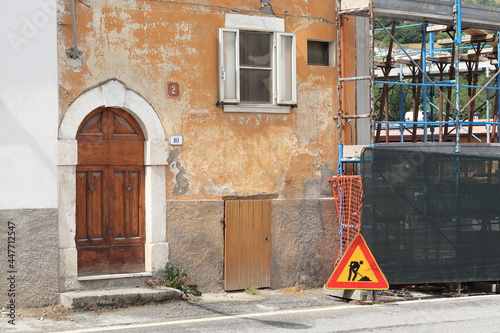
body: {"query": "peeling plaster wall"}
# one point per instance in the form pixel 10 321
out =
pixel 307 231
pixel 304 241
pixel 195 231
pixel 146 44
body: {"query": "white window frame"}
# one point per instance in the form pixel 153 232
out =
pixel 282 97
pixel 292 69
pixel 226 74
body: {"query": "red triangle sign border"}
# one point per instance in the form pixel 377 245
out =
pixel 380 284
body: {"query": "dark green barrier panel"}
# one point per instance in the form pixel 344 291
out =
pixel 432 217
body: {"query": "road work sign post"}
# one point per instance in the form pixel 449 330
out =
pixel 357 269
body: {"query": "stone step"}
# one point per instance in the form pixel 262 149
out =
pixel 95 299
pixel 113 281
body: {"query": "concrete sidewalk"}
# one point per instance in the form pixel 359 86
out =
pixel 54 319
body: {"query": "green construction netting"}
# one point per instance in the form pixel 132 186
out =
pixel 432 217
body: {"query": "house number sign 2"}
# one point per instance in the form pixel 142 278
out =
pixel 173 89
pixel 176 140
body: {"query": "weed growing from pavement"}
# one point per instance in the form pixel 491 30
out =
pixel 177 278
pixel 252 290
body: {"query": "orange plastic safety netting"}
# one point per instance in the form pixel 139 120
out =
pixel 348 196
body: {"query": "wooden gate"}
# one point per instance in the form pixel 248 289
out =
pixel 110 194
pixel 247 250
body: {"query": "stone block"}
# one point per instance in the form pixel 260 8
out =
pixel 94 299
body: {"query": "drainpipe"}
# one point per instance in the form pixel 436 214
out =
pixel 75 39
pixel 340 113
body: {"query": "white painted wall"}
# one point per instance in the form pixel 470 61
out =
pixel 28 104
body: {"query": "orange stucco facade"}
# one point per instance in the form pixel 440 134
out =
pixel 145 44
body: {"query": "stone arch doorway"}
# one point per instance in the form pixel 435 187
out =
pixel 112 94
pixel 110 194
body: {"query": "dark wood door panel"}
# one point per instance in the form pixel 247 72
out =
pixel 93 260
pixel 126 153
pixel 133 189
pixel 98 260
pixel 118 205
pixel 110 232
pixel 110 124
pixel 126 258
pixel 126 215
pixel 81 206
pixel 93 153
pixel 110 153
pixel 91 206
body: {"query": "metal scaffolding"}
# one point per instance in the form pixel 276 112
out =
pixel 434 78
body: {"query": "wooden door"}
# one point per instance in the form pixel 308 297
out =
pixel 110 194
pixel 247 250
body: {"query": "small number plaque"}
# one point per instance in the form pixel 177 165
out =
pixel 173 89
pixel 176 140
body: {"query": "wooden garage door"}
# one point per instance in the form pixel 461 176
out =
pixel 110 194
pixel 247 250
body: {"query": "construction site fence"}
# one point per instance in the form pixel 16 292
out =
pixel 348 195
pixel 432 217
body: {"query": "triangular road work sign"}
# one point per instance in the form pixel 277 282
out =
pixel 357 269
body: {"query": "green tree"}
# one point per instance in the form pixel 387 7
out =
pixel 490 3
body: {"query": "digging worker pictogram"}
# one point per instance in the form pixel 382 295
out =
pixel 353 271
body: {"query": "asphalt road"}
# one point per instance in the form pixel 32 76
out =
pixel 313 312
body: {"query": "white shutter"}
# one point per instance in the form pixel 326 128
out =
pixel 286 93
pixel 229 71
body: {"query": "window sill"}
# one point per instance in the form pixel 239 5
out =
pixel 113 276
pixel 257 108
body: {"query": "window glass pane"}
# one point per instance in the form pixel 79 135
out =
pixel 230 65
pixel 286 68
pixel 317 53
pixel 255 49
pixel 255 85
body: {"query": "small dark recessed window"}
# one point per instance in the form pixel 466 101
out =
pixel 318 53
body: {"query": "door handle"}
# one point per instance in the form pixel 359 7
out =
pixel 128 186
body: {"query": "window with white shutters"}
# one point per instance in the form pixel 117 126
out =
pixel 256 68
